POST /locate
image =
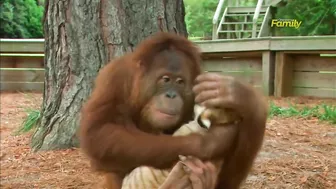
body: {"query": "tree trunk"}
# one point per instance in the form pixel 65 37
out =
pixel 80 38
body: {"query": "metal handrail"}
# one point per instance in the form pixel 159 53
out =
pixel 218 10
pixel 264 23
pixel 222 20
pixel 215 18
pixel 255 18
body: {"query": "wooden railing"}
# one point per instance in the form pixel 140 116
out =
pixel 280 66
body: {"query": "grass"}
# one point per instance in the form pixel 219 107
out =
pixel 33 116
pixel 330 113
pixel 322 112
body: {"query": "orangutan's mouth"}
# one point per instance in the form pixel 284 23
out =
pixel 172 113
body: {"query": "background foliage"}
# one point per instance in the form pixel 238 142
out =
pixel 22 18
pixel 198 17
pixel 318 17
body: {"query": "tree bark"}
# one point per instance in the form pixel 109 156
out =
pixel 80 38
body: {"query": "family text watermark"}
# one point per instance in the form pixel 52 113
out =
pixel 292 23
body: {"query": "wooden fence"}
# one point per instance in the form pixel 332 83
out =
pixel 305 75
pixel 21 64
pixel 280 66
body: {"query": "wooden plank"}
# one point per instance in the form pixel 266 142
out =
pixel 22 86
pixel 29 62
pixel 283 75
pixel 302 43
pixel 314 79
pixel 22 54
pixel 21 62
pixel 245 54
pixel 328 55
pixel 7 62
pixel 268 68
pixel 22 69
pixel 314 63
pixel 21 45
pixel 233 45
pixel 317 52
pixel 233 64
pixel 21 75
pixel 253 78
pixel 31 40
pixel 316 92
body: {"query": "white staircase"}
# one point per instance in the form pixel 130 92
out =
pixel 239 22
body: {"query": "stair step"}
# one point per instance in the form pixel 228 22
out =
pixel 273 2
pixel 233 31
pixel 226 23
pixel 227 15
pixel 245 9
pixel 239 26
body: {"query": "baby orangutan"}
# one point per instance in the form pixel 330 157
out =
pixel 148 177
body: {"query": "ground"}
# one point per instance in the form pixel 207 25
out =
pixel 297 153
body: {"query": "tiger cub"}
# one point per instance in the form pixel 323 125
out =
pixel 150 178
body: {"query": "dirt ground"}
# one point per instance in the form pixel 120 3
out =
pixel 297 153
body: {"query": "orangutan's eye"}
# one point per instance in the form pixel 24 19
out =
pixel 179 81
pixel 165 79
